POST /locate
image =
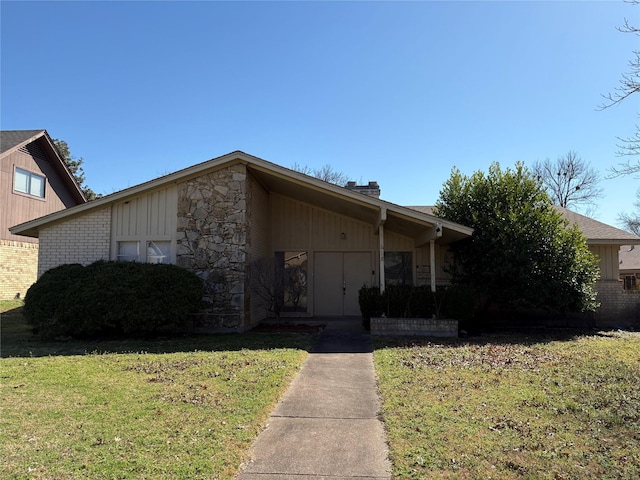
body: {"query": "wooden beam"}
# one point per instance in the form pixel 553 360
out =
pixel 428 235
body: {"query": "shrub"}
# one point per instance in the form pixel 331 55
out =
pixel 371 305
pixel 405 301
pixel 113 299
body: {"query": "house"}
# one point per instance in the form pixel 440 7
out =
pixel 618 307
pixel 630 266
pixel 34 181
pixel 219 217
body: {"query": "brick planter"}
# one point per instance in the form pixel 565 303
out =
pixel 429 327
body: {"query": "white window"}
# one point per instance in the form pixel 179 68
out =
pixel 158 251
pixel 129 251
pixel 29 183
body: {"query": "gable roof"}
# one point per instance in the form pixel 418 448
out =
pixel 596 233
pixel 629 258
pixel 279 180
pixel 12 140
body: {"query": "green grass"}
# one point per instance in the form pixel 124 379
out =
pixel 511 406
pixel 168 408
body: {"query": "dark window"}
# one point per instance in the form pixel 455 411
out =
pixel 398 268
pixel 294 271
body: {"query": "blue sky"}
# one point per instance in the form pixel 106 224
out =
pixel 398 92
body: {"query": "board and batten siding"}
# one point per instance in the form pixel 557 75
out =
pixel 258 239
pixel 152 216
pixel 609 260
pixel 18 207
pixel 299 226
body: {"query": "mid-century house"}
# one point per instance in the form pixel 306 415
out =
pixel 34 181
pixel 630 266
pixel 216 218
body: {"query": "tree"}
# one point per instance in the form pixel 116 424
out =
pixel 75 168
pixel 631 221
pixel 522 251
pixel 569 181
pixel 327 173
pixel 629 84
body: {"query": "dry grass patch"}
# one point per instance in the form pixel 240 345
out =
pixel 167 408
pixel 512 406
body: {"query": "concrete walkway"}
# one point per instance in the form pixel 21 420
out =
pixel 326 425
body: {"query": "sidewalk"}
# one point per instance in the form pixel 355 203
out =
pixel 326 425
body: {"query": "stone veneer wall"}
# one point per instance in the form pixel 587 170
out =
pixel 18 268
pixel 211 241
pixel 619 307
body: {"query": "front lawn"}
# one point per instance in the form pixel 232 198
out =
pixel 512 406
pixel 168 408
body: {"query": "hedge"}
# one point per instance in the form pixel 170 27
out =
pixel 112 299
pixel 406 301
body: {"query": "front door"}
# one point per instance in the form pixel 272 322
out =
pixel 337 280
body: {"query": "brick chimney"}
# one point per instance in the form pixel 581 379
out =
pixel 373 189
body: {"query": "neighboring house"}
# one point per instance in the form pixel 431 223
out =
pixel 618 307
pixel 34 181
pixel 630 266
pixel 218 217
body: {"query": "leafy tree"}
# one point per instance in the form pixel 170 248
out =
pixel 522 251
pixel 569 181
pixel 74 165
pixel 327 173
pixel 631 221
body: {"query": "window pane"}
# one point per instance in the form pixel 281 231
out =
pixel 37 186
pixel 159 252
pixel 398 268
pixel 21 181
pixel 295 270
pixel 128 251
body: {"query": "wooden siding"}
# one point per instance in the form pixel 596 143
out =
pixel 609 261
pixel 149 217
pixel 18 208
pixel 298 226
pixel 258 237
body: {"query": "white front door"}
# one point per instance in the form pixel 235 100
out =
pixel 338 277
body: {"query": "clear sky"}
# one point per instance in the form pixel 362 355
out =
pixel 397 92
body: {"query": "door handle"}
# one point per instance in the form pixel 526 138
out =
pixel 344 288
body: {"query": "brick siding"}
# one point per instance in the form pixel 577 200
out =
pixel 83 239
pixel 618 307
pixel 414 326
pixel 18 268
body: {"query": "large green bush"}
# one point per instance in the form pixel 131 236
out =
pixel 112 299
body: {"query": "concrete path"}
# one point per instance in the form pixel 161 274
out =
pixel 326 425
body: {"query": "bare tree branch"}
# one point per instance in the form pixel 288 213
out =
pixel 569 181
pixel 631 221
pixel 326 173
pixel 629 84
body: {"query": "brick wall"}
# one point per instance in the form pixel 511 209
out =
pixel 619 307
pixel 414 326
pixel 84 240
pixel 18 268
